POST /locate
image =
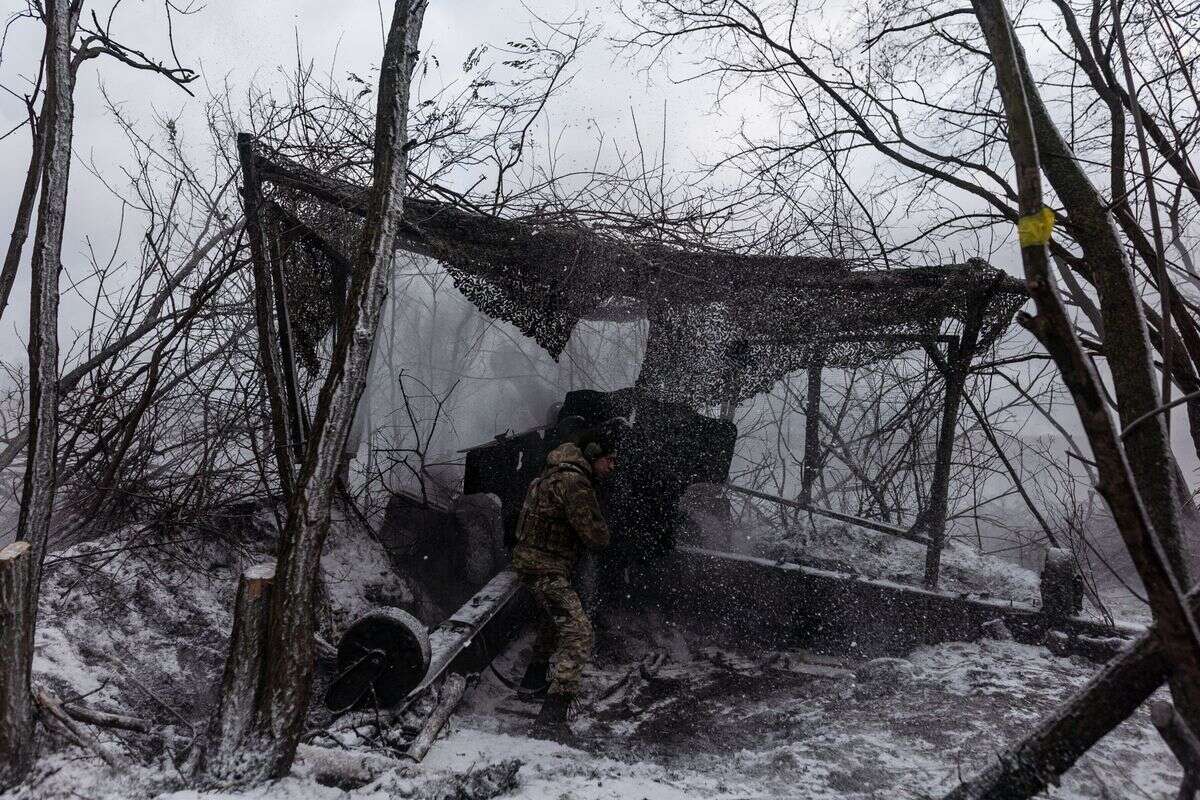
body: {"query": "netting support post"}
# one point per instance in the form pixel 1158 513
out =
pixel 297 421
pixel 955 368
pixel 252 204
pixel 812 430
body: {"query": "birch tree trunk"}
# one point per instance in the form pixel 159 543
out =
pixel 283 701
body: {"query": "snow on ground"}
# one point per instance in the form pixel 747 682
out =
pixel 667 713
pixel 129 625
pixel 794 725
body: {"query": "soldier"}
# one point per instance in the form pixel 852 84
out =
pixel 560 518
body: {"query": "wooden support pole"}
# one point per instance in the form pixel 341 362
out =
pixel 297 424
pixel 958 364
pixel 233 724
pixel 16 657
pixel 252 202
pixel 812 430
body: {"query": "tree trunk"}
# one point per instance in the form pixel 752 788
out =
pixel 1129 352
pixel 16 657
pixel 1125 682
pixel 233 724
pixel 20 231
pixel 1126 336
pixel 37 493
pixel 58 110
pixel 283 702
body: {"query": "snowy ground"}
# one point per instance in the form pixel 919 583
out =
pixel 668 713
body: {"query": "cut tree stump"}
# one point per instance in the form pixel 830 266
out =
pixel 16 657
pixel 234 721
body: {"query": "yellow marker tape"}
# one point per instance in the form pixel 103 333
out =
pixel 1035 229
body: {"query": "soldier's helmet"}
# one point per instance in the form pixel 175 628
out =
pixel 603 440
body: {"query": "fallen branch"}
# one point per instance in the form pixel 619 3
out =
pixel 453 689
pixel 51 712
pixel 106 719
pixel 345 769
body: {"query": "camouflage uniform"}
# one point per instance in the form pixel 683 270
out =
pixel 559 519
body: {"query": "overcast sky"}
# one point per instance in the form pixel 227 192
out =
pixel 237 44
pixel 256 42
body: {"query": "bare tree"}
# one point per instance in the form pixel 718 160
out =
pixel 37 497
pixel 53 133
pixel 281 702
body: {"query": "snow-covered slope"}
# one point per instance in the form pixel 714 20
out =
pixel 667 713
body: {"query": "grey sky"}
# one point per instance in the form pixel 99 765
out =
pixel 237 44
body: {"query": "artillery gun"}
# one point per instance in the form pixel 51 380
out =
pixel 387 656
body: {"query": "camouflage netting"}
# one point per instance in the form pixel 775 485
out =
pixel 723 326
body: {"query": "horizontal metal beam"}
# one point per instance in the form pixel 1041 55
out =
pixel 785 603
pixel 478 631
pixel 875 525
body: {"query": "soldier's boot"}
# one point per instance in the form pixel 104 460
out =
pixel 536 682
pixel 551 722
